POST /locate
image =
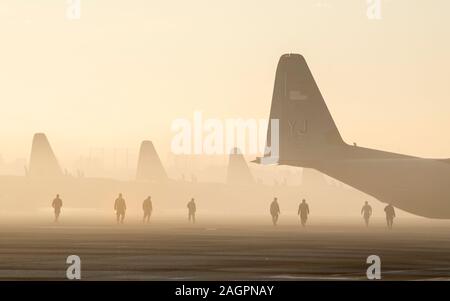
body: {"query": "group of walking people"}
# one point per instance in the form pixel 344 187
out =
pixel 389 210
pixel 303 210
pixel 120 207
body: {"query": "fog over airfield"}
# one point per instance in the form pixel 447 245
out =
pixel 125 71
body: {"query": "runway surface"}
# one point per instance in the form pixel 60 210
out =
pixel 228 252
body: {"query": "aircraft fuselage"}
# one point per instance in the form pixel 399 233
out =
pixel 416 185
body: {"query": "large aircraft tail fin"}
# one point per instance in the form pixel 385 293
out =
pixel 43 162
pixel 298 115
pixel 150 167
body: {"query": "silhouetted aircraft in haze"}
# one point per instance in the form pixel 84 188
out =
pixel 238 192
pixel 44 178
pixel 308 137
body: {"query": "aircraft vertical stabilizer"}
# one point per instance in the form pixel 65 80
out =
pixel 43 162
pixel 306 127
pixel 150 167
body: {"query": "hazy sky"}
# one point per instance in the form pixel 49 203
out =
pixel 127 69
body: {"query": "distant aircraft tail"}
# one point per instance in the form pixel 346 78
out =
pixel 43 162
pixel 150 167
pixel 305 126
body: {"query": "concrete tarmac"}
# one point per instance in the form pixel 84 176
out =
pixel 170 251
